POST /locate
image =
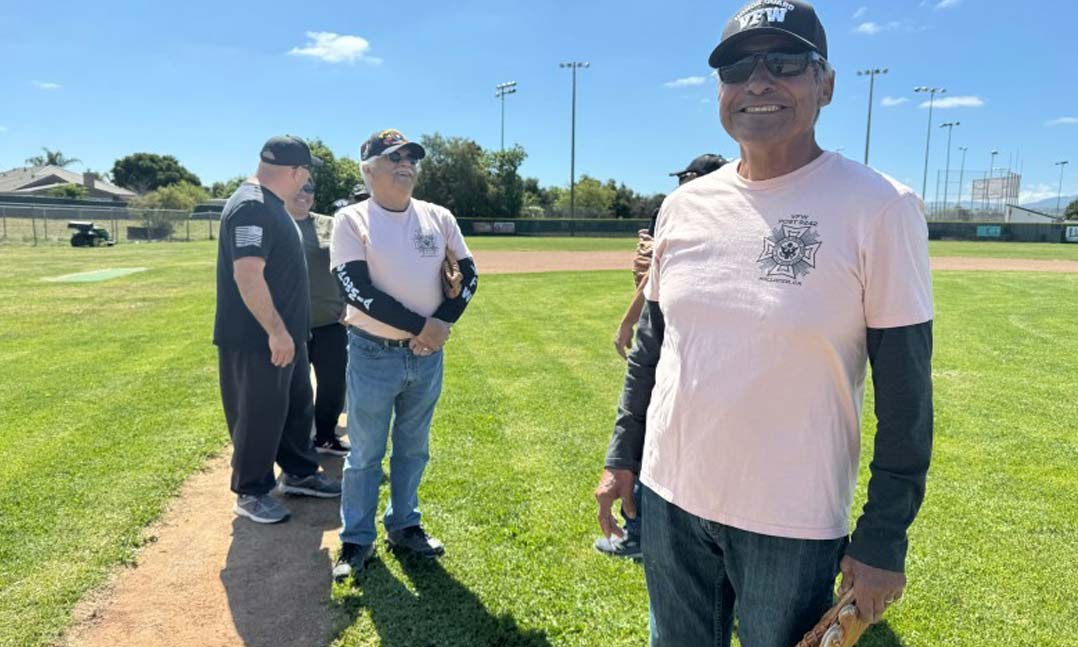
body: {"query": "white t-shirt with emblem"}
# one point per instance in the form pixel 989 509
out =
pixel 767 289
pixel 403 251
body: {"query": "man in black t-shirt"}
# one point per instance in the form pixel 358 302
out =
pixel 260 329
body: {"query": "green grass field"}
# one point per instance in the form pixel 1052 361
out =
pixel 110 402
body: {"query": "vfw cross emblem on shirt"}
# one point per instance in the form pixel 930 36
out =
pixel 790 251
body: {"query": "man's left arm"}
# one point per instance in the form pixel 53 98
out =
pixel 451 309
pixel 901 360
pixel 898 315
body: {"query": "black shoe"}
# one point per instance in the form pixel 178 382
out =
pixel 333 446
pixel 415 540
pixel 352 561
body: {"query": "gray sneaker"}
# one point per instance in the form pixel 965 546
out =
pixel 627 546
pixel 260 508
pixel 317 484
pixel 352 561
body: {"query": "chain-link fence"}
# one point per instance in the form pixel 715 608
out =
pixel 24 224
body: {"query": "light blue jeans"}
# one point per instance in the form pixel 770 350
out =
pixel 386 384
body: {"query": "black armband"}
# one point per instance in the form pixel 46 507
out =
pixel 451 309
pixel 354 279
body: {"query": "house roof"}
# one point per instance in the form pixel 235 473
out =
pixel 36 178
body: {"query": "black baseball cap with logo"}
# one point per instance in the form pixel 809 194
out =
pixel 794 19
pixel 288 150
pixel 388 141
pixel 702 165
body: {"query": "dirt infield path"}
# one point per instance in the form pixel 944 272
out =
pixel 490 262
pixel 211 580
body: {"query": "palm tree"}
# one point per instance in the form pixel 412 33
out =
pixel 53 158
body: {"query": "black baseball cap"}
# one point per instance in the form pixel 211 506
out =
pixel 792 18
pixel 288 150
pixel 703 165
pixel 385 142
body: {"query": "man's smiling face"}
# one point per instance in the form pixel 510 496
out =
pixel 767 110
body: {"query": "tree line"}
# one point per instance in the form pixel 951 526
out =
pixel 457 173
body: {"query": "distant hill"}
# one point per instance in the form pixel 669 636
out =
pixel 1048 205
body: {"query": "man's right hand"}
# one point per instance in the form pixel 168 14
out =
pixel 615 485
pixel 282 349
pixel 434 334
pixel 623 338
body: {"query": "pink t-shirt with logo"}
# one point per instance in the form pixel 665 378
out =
pixel 767 289
pixel 403 251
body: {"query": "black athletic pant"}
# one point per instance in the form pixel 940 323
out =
pixel 328 350
pixel 269 412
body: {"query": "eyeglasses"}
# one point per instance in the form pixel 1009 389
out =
pixel 308 188
pixel 780 64
pixel 396 157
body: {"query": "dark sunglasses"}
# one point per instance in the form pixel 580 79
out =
pixel 780 64
pixel 308 188
pixel 396 157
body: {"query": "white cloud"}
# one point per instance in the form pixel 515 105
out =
pixel 1062 121
pixel 335 48
pixel 891 102
pixel 873 28
pixel 860 13
pixel 946 4
pixel 1037 192
pixel 686 82
pixel 955 102
pixel 43 85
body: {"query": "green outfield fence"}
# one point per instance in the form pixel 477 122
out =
pixel 40 224
pixel 1016 232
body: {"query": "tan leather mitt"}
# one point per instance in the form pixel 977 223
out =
pixel 642 260
pixel 451 276
pixel 839 627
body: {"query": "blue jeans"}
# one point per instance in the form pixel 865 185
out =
pixel 386 385
pixel 702 574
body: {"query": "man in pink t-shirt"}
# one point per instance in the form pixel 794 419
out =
pixel 387 254
pixel 775 281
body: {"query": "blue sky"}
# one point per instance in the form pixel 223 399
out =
pixel 209 82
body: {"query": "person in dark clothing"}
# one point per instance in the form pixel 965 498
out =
pixel 261 328
pixel 775 283
pixel 328 346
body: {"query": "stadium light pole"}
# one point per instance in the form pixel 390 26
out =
pixel 500 91
pixel 928 139
pixel 947 169
pixel 871 74
pixel 1059 196
pixel 991 175
pixel 574 66
pixel 962 175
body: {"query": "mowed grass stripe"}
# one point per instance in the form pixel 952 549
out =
pixel 113 405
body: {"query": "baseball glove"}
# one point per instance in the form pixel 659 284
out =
pixel 642 260
pixel 839 627
pixel 451 276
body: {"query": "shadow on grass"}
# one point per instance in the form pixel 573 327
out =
pixel 880 635
pixel 436 610
pixel 278 578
